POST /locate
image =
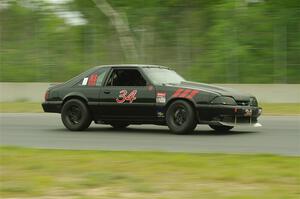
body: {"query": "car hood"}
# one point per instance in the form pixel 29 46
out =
pixel 237 95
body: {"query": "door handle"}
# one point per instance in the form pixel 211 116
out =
pixel 107 91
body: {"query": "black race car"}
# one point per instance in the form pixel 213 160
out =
pixel 121 95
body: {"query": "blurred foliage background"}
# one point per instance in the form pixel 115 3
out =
pixel 219 41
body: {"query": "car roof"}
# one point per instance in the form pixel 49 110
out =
pixel 133 65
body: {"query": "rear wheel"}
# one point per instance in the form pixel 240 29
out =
pixel 181 117
pixel 221 128
pixel 75 115
pixel 119 125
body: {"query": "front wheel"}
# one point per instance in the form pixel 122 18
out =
pixel 181 117
pixel 221 128
pixel 75 115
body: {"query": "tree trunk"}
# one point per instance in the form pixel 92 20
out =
pixel 119 21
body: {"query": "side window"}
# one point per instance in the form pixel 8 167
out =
pixel 94 79
pixel 126 77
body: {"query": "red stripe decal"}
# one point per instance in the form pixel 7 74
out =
pixel 177 92
pixel 185 93
pixel 193 93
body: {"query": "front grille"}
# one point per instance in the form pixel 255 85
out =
pixel 243 103
pixel 251 102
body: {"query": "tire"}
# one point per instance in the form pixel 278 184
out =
pixel 221 128
pixel 119 125
pixel 75 115
pixel 181 117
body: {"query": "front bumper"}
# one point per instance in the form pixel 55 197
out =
pixel 52 106
pixel 228 115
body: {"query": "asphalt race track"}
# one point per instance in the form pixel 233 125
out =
pixel 278 135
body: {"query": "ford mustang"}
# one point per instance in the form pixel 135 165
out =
pixel 121 95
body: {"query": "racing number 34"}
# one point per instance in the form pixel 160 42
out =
pixel 123 97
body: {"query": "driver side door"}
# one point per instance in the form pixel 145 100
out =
pixel 127 95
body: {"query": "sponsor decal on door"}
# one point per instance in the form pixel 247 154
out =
pixel 161 97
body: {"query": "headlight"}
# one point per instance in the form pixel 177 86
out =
pixel 253 101
pixel 224 100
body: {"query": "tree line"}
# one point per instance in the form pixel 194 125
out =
pixel 240 41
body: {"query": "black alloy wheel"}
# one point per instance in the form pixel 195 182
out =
pixel 181 117
pixel 75 115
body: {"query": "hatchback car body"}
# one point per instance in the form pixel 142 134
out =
pixel 121 95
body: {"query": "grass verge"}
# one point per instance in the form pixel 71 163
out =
pixel 40 173
pixel 281 108
pixel 268 108
pixel 20 107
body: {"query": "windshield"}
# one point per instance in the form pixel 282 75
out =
pixel 163 76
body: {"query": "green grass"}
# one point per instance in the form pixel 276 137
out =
pixel 281 108
pixel 20 107
pixel 40 173
pixel 268 108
